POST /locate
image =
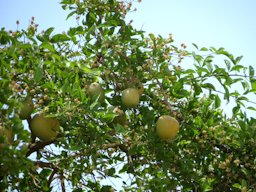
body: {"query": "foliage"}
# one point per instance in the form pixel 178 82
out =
pixel 212 152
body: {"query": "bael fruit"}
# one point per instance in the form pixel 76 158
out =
pixel 130 97
pixel 45 128
pixel 167 127
pixel 96 91
pixel 27 107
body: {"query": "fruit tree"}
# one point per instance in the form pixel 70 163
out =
pixel 104 106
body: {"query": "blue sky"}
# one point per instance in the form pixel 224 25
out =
pixel 220 23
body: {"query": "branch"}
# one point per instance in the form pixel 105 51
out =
pixel 51 177
pixel 46 164
pixel 37 146
pixel 63 189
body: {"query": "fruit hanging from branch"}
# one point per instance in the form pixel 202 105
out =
pixel 45 128
pixel 96 91
pixel 167 127
pixel 130 97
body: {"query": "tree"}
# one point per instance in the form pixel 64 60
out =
pixel 213 151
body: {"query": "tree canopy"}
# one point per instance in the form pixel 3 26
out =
pixel 79 109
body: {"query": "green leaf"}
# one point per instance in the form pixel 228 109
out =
pixel 242 98
pixel 90 19
pixel 209 66
pixel 251 108
pixel 197 88
pixel 246 86
pixel 152 36
pixel 237 68
pixel 236 185
pixel 4 37
pixel 47 46
pixel 217 101
pixel 251 72
pixel 59 38
pixel 38 74
pixel 203 49
pixel 253 84
pixel 195 45
pixel 90 31
pixel 208 86
pixel 70 14
pixel 222 51
pixel 228 63
pixel 226 94
pixel 208 60
pixel 201 70
pixel 48 32
pixel 235 110
pixel 198 58
pixel 238 59
pixel 189 71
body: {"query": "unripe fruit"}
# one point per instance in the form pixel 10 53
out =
pixel 167 127
pixel 130 97
pixel 96 91
pixel 26 108
pixel 45 128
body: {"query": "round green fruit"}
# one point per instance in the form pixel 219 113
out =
pixel 130 97
pixel 45 128
pixel 27 107
pixel 95 90
pixel 167 127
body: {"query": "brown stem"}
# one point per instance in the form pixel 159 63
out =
pixel 51 177
pixel 63 189
pixel 46 164
pixel 37 146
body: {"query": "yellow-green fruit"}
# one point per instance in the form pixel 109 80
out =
pixel 26 108
pixel 130 97
pixel 96 91
pixel 45 128
pixel 7 135
pixel 167 127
